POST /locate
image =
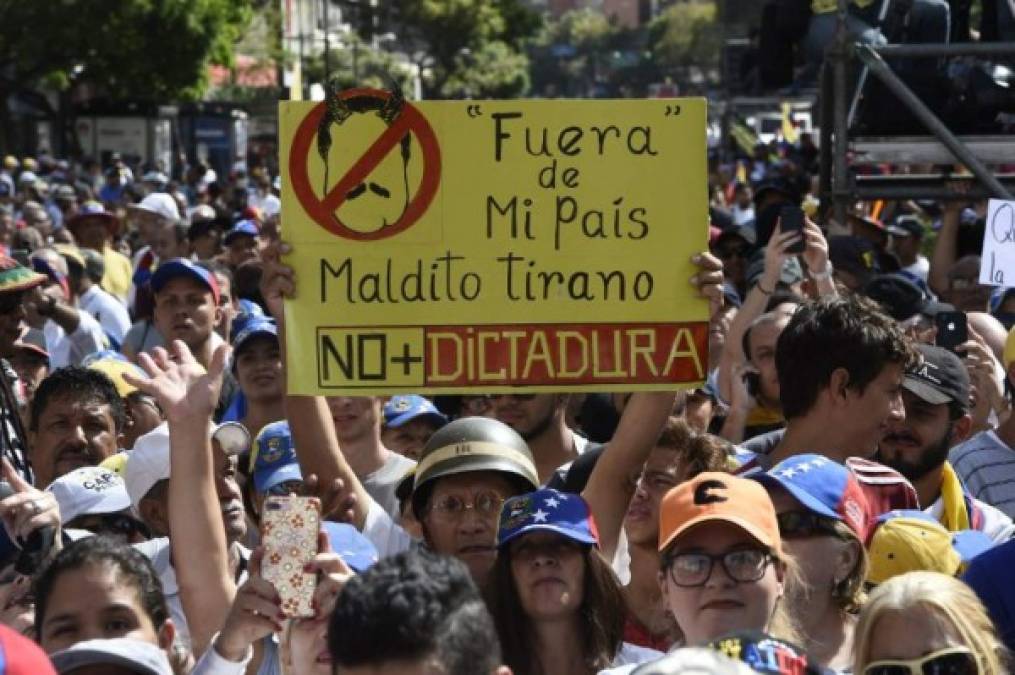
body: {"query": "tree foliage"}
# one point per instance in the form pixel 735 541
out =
pixel 467 46
pixel 156 49
pixel 687 36
pixel 357 64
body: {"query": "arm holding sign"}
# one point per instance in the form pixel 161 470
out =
pixel 610 488
pixel 309 418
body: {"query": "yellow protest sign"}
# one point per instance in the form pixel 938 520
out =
pixel 455 246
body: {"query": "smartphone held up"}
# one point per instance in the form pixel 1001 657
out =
pixel 289 528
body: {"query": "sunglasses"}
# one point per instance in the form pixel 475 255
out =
pixel 951 661
pixel 802 524
pixel 113 523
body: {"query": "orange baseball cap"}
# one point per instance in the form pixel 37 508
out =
pixel 723 497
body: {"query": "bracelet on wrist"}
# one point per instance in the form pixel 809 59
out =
pixel 762 288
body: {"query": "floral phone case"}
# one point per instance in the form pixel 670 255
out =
pixel 289 528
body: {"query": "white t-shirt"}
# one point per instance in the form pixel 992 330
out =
pixel 70 350
pixel 921 268
pixel 630 657
pixel 381 484
pixel 385 534
pixel 107 310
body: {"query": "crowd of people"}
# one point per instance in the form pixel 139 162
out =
pixel 837 496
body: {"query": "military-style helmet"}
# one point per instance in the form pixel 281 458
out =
pixel 473 444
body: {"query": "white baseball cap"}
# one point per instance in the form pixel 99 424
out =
pixel 148 463
pixel 89 490
pixel 160 204
pixel 136 656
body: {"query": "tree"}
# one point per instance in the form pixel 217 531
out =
pixel 356 64
pixel 576 55
pixel 120 48
pixel 452 40
pixel 686 40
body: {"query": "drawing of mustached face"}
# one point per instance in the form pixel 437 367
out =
pixel 379 200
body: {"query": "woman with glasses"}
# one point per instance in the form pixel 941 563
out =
pixel 821 512
pixel 723 565
pixel 925 623
pixel 556 603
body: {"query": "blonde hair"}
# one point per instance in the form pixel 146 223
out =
pixel 849 593
pixel 948 601
pixel 783 624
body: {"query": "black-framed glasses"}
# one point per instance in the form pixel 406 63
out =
pixel 742 565
pixel 801 524
pixel 453 507
pixel 950 661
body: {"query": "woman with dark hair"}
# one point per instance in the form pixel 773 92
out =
pixel 101 588
pixel 556 603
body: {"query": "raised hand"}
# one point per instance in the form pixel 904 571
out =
pixel 28 509
pixel 181 385
pixel 255 614
pixel 278 281
pixel 709 280
pixel 815 253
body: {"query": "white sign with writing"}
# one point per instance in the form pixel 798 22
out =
pixel 997 266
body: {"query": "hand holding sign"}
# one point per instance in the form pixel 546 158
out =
pixel 997 265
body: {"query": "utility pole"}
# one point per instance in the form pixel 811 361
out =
pixel 327 43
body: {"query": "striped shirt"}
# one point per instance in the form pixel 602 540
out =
pixel 986 466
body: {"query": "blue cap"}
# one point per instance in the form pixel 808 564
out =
pixel 547 510
pixel 274 459
pixel 351 546
pixel 823 486
pixel 181 267
pixel 253 328
pixel 242 228
pixel 403 408
pixel 250 307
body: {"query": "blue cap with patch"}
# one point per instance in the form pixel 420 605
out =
pixel 181 267
pixel 253 328
pixel 547 510
pixel 351 546
pixel 274 457
pixel 247 228
pixel 404 408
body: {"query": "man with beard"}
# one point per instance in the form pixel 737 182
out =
pixel 936 397
pixel 540 420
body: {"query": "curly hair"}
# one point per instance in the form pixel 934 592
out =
pixel 133 569
pixel 848 332
pixel 412 606
pixel 84 384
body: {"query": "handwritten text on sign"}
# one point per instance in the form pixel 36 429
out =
pixel 493 246
pixel 997 265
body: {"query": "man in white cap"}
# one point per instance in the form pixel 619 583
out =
pixel 95 499
pixel 155 213
pixel 147 480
